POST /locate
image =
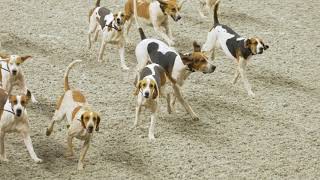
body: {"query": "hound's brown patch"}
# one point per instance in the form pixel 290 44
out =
pixel 75 111
pixel 77 96
pixel 13 100
pixel 24 101
pixel 3 100
pixel 4 55
pixel 252 45
pixel 142 9
pixel 59 102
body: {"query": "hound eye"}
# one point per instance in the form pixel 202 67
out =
pixel 94 119
pixel 15 102
pixel 144 85
pixel 18 64
pixel 151 85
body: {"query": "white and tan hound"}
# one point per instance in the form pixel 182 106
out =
pixel 12 75
pixel 14 118
pixel 102 20
pixel 207 5
pixel 177 66
pixel 154 13
pixel 81 119
pixel 151 84
pixel 235 47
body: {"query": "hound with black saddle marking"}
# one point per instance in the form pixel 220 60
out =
pixel 177 66
pixel 111 26
pixel 82 120
pixel 12 75
pixel 154 13
pixel 14 118
pixel 235 47
pixel 151 84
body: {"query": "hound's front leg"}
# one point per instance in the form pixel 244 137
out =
pixel 168 30
pixel 83 153
pixel 236 76
pixel 103 46
pixel 70 151
pixel 183 102
pixel 138 111
pixel 28 143
pixel 3 156
pixel 122 57
pixel 242 69
pixel 153 122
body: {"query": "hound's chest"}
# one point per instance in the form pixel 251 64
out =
pixel 113 36
pixel 12 126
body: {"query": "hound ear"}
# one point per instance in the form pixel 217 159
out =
pixel 162 2
pixel 28 95
pixel 23 58
pixel 247 43
pixel 155 92
pixel 186 59
pixel 196 47
pixel 82 122
pixel 98 123
pixel 138 86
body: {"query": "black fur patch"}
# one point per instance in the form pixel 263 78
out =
pixel 166 61
pixel 102 13
pixel 233 44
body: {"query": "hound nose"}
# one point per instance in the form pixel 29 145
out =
pixel 213 68
pixel 19 112
pixel 178 17
pixel 261 49
pixel 146 94
pixel 90 129
pixel 118 20
pixel 14 72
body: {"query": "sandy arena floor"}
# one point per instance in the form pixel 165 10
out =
pixel 273 136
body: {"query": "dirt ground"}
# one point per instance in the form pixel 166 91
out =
pixel 273 136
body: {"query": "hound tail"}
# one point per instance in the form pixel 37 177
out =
pixel 97 3
pixel 135 13
pixel 92 9
pixel 215 14
pixel 66 79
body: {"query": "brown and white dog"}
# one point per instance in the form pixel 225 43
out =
pixel 151 84
pixel 177 66
pixel 14 118
pixel 154 13
pixel 235 47
pixel 11 73
pixel 208 5
pixel 102 20
pixel 82 121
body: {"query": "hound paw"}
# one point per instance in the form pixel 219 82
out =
pixel 251 94
pixel 124 67
pixel 80 166
pixel 4 159
pixel 195 118
pixel 38 160
pixel 152 138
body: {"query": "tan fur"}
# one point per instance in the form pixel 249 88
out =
pixel 75 111
pixel 142 8
pixel 3 100
pixel 78 96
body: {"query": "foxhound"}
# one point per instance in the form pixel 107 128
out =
pixel 154 13
pixel 14 118
pixel 177 66
pixel 235 47
pixel 80 117
pixel 11 73
pixel 151 83
pixel 111 26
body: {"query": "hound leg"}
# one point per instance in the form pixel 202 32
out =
pixel 129 23
pixel 236 76
pixel 184 103
pixel 70 151
pixel 122 57
pixel 153 122
pixel 138 111
pixel 209 46
pixel 92 29
pixel 162 34
pixel 83 153
pixel 103 45
pixel 95 38
pixel 200 10
pixel 171 99
pixel 28 143
pixel 3 156
pixel 58 116
pixel 242 69
pixel 168 30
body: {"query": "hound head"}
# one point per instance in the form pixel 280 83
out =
pixel 119 19
pixel 256 45
pixel 171 8
pixel 19 103
pixel 14 62
pixel 148 88
pixel 197 60
pixel 90 120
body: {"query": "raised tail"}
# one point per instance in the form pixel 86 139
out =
pixel 135 14
pixel 215 14
pixel 66 81
pixel 97 3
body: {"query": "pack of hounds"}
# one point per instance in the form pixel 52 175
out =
pixel 159 65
